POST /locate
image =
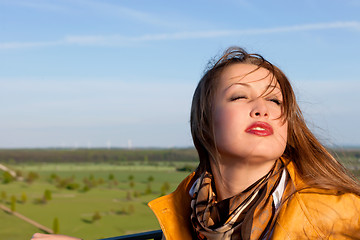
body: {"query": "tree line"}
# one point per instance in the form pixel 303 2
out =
pixel 115 156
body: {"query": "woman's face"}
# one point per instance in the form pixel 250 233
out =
pixel 247 117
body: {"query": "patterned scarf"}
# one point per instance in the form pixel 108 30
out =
pixel 246 216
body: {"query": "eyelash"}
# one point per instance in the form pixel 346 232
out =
pixel 274 100
pixel 238 97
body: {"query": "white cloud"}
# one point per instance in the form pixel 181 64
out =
pixel 121 11
pixel 39 5
pixel 101 8
pixel 120 40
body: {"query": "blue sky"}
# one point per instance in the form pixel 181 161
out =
pixel 86 73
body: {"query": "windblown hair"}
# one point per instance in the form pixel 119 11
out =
pixel 314 164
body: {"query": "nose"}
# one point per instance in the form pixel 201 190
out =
pixel 259 109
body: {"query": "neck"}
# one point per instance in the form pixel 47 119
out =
pixel 231 178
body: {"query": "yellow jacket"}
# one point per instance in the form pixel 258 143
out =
pixel 309 214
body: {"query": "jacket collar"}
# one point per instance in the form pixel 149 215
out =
pixel 173 211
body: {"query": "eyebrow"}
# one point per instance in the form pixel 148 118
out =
pixel 248 85
pixel 237 83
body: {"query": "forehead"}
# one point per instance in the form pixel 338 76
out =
pixel 247 73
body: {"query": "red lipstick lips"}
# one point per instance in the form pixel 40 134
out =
pixel 262 129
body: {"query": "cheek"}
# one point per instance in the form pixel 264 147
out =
pixel 229 124
pixel 222 123
pixel 283 133
pixel 274 111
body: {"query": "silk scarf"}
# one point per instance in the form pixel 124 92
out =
pixel 246 216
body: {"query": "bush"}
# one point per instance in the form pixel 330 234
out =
pixel 23 197
pixel 96 216
pixel 47 195
pixel 56 226
pixel 131 177
pixel 41 200
pixel 150 179
pixel 136 194
pixel 67 183
pixel 72 186
pixel 53 177
pixel 148 189
pixel 165 188
pixel 186 168
pixel 111 176
pixel 31 177
pixel 86 188
pixel 13 203
pixel 3 196
pixel 128 196
pixel 7 178
pixel 100 181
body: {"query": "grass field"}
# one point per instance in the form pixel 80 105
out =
pixel 75 208
pixel 121 205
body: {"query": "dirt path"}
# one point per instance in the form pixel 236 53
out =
pixel 6 169
pixel 22 217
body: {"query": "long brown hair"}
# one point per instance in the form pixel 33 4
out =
pixel 314 164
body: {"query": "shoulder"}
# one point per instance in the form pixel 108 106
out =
pixel 317 213
pixel 173 211
pixel 331 214
pixel 329 205
pixel 320 213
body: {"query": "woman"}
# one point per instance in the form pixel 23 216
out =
pixel 262 173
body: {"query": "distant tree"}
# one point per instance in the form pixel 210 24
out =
pixel 3 196
pixel 100 181
pixel 165 188
pixel 136 194
pixel 23 197
pixel 7 177
pixel 56 227
pixel 72 186
pixel 123 210
pixel 40 200
pixel 150 179
pixel 96 216
pixel 13 203
pixel 53 177
pixel 132 184
pixel 47 195
pixel 111 176
pixel 148 189
pixel 85 188
pixel 186 168
pixel 128 196
pixel 31 177
pixel 131 177
pixel 19 173
pixel 131 209
pixel 115 182
pixel 91 177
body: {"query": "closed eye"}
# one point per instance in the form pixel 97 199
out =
pixel 276 101
pixel 237 98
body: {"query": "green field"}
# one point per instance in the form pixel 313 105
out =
pixel 75 208
pixel 113 183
